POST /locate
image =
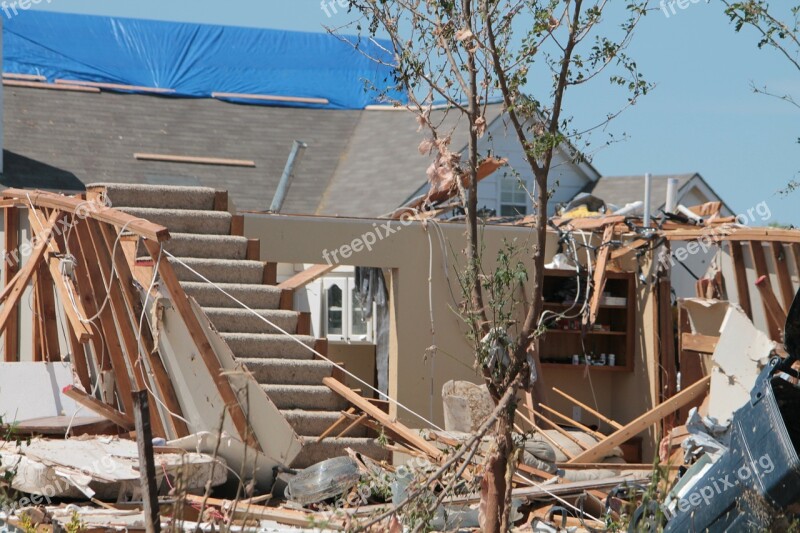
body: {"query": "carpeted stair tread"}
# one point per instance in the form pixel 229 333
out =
pixel 185 220
pixel 288 371
pixel 315 423
pixel 269 345
pixel 229 320
pixel 218 270
pixel 197 245
pixel 311 397
pixel 254 296
pixel 157 196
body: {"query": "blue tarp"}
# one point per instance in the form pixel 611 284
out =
pixel 195 60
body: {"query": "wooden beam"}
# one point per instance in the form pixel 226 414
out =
pixel 401 430
pixel 696 342
pixel 626 249
pixel 599 451
pixel 84 209
pixel 588 409
pixel 24 77
pixel 740 273
pixel 215 161
pixel 11 235
pixel 572 422
pixel 52 86
pixel 27 272
pixel 103 409
pixel 125 323
pixel 207 354
pixel 78 358
pixel 114 86
pixel 733 233
pixel 134 304
pixel 89 261
pixel 760 262
pixel 599 281
pixel 780 257
pixel 581 445
pixel 301 279
pixel 271 98
pixel 49 317
pixel 776 316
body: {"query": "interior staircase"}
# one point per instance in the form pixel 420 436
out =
pixel 208 238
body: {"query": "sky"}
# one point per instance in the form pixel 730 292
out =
pixel 702 117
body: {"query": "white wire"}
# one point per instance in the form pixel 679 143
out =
pixel 304 345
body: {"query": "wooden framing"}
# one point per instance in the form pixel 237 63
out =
pixel 599 281
pixel 740 273
pixel 215 161
pixel 11 231
pixel 103 409
pixel 695 342
pixel 762 271
pixel 49 318
pixel 597 452
pixel 588 409
pixel 780 257
pixel 776 316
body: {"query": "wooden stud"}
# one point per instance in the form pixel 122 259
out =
pixel 27 272
pixel 147 466
pixel 11 230
pixel 134 304
pixel 599 281
pixel 122 318
pixel 103 409
pixel 796 255
pixel 37 341
pixel 568 420
pixel 401 430
pixel 49 317
pixel 598 451
pixel 336 424
pixel 64 287
pixel 760 262
pixel 78 358
pixel 207 354
pixel 776 316
pixel 357 422
pixel 779 257
pixel 666 333
pixel 740 273
pixel 88 259
pixel 588 409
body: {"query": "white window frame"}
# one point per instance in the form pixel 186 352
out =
pixel 500 203
pixel 348 286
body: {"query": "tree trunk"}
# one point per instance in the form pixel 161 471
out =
pixel 493 486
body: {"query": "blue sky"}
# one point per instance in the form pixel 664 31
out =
pixel 703 115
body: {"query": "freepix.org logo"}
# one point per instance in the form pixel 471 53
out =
pixel 716 486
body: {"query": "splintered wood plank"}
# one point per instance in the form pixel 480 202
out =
pixel 760 262
pixel 695 342
pixel 134 303
pixel 103 409
pixel 588 409
pixel 207 354
pixel 88 260
pixel 599 451
pixel 79 358
pixel 740 273
pixel 780 257
pixel 27 272
pixel 124 322
pixel 600 275
pixel 169 158
pixel 49 313
pixel 11 234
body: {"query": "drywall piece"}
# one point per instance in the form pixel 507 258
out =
pixel 466 406
pixel 33 390
pixel 203 406
pixel 102 467
pixel 741 353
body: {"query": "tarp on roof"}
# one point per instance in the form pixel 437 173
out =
pixel 195 60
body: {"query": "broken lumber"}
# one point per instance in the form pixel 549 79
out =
pixel 588 409
pixel 696 342
pixel 169 158
pixel 599 281
pixel 597 452
pixel 384 419
pixel 11 237
pixel 775 313
pixel 90 402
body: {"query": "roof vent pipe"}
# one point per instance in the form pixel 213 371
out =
pixel 672 195
pixel 647 179
pixel 298 148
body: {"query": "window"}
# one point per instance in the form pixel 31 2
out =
pixel 513 198
pixel 343 315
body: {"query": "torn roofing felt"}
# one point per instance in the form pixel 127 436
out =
pixel 196 60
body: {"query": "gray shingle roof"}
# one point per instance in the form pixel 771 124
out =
pixel 358 163
pixel 621 190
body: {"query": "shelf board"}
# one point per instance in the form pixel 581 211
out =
pixel 578 332
pixel 602 306
pixel 592 368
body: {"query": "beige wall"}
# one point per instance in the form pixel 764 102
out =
pixel 358 359
pixel 416 379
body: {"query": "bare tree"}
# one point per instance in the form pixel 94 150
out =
pixel 455 57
